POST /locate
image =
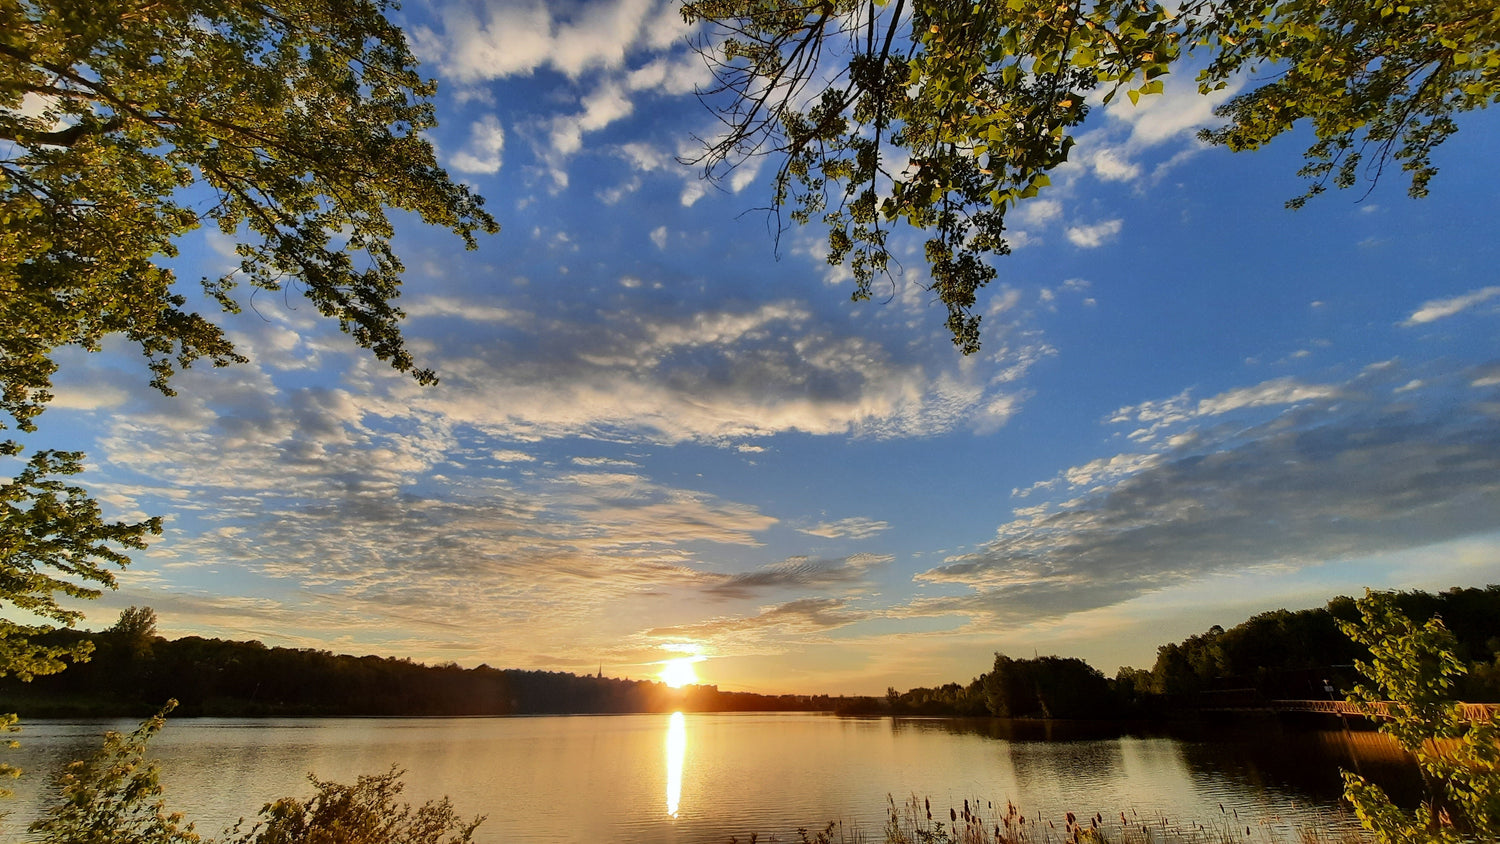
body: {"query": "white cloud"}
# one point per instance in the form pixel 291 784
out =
pixel 854 527
pixel 612 196
pixel 1277 392
pixel 744 175
pixel 692 192
pixel 1096 235
pixel 482 153
pixel 1179 111
pixel 482 41
pixel 1036 212
pixel 1437 309
pixel 645 156
pixel 465 309
pixel 659 237
pixel 1111 165
pixel 604 106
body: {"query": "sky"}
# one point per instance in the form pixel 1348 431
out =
pixel 661 432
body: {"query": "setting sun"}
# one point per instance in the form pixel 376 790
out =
pixel 678 672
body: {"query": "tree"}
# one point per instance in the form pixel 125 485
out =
pixel 1412 670
pixel 54 541
pixel 300 119
pixel 136 623
pixel 945 114
pixel 291 125
pixel 1045 687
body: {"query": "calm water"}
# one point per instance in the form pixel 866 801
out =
pixel 702 778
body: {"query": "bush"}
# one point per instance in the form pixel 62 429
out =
pixel 363 813
pixel 115 798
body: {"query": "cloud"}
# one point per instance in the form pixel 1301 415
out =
pixel 1324 474
pixel 798 573
pixel 464 309
pixel 1157 416
pixel 1035 212
pixel 855 527
pixel 482 153
pixel 1096 235
pixel 1176 113
pixel 1111 165
pixel 659 237
pixel 766 631
pixel 711 376
pixel 484 41
pixel 606 104
pixel 387 522
pixel 1275 392
pixel 1487 375
pixel 1437 309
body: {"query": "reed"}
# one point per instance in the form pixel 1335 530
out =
pixel 916 822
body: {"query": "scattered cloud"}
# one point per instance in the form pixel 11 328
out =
pixel 482 153
pixel 767 631
pixel 1096 235
pixel 1036 212
pixel 1111 165
pixel 483 41
pixel 1437 309
pixel 1332 473
pixel 855 527
pixel 802 573
pixel 1176 113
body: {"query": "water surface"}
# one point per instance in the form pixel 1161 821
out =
pixel 705 777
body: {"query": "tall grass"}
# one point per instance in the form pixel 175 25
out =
pixel 916 822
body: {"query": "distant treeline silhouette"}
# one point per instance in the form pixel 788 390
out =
pixel 1282 654
pixel 132 671
pixel 1274 655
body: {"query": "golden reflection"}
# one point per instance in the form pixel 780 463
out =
pixel 676 751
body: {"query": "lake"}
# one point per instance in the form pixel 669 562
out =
pixel 705 777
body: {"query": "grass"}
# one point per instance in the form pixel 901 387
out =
pixel 914 822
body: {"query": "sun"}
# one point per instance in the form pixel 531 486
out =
pixel 679 672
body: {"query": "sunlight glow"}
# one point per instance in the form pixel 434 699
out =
pixel 676 752
pixel 679 672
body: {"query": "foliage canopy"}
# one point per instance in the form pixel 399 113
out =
pixel 54 540
pixel 944 114
pixel 1412 671
pixel 294 126
pixel 301 118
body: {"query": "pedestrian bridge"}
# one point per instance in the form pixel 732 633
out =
pixel 1471 711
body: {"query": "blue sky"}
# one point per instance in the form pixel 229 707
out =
pixel 658 434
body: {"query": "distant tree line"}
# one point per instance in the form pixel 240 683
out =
pixel 1281 654
pixel 133 670
pixel 1274 655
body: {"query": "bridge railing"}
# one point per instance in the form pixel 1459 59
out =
pixel 1471 711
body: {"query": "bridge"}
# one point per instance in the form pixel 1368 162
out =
pixel 1343 708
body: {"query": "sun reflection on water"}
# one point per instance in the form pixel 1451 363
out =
pixel 676 751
